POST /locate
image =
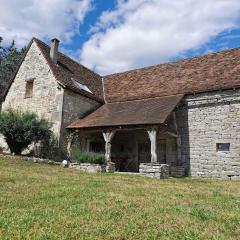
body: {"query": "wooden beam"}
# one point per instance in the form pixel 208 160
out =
pixel 119 128
pixel 108 136
pixel 152 133
pixel 172 134
pixel 70 140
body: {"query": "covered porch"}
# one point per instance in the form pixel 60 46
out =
pixel 139 145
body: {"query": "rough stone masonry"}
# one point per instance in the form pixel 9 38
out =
pixel 206 120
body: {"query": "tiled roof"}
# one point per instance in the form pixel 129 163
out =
pixel 148 95
pixel 67 69
pixel 138 112
pixel 211 72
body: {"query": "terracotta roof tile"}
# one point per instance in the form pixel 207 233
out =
pixel 138 112
pixel 211 72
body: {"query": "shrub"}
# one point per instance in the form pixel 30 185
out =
pixel 48 149
pixel 86 157
pixel 20 129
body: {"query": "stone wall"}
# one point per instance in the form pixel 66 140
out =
pixel 89 167
pixel 177 171
pixel 47 96
pixel 76 106
pixel 155 170
pixel 183 131
pixel 205 120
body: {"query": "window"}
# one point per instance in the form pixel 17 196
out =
pixel 29 88
pixel 81 86
pixel 223 147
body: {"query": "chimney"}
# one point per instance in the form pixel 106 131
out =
pixel 54 50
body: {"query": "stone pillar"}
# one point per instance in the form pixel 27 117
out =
pixel 152 133
pixel 155 170
pixel 108 136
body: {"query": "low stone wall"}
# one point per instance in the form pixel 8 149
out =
pixel 94 168
pixel 178 171
pixel 89 167
pixel 110 167
pixel 42 160
pixel 32 159
pixel 155 170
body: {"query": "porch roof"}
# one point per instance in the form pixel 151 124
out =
pixel 138 112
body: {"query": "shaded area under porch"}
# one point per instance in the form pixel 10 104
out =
pixel 129 148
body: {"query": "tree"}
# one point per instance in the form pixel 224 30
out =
pixel 20 129
pixel 9 60
pixel 2 50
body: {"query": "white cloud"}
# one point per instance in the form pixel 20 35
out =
pixel 144 32
pixel 21 20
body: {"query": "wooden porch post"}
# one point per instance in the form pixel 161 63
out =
pixel 70 137
pixel 152 133
pixel 108 136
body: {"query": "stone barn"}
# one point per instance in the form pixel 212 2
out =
pixel 185 114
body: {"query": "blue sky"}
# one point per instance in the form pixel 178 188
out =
pixel 116 35
pixel 91 18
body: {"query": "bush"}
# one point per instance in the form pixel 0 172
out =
pixel 48 149
pixel 20 129
pixel 85 157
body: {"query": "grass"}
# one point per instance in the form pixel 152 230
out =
pixel 48 202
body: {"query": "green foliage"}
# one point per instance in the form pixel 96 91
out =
pixel 77 154
pixel 63 147
pixel 21 129
pixel 48 148
pixel 9 59
pixel 86 157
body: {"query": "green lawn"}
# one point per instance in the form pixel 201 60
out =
pixel 48 202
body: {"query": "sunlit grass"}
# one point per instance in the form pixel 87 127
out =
pixel 48 202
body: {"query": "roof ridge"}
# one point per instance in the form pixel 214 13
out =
pixel 175 62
